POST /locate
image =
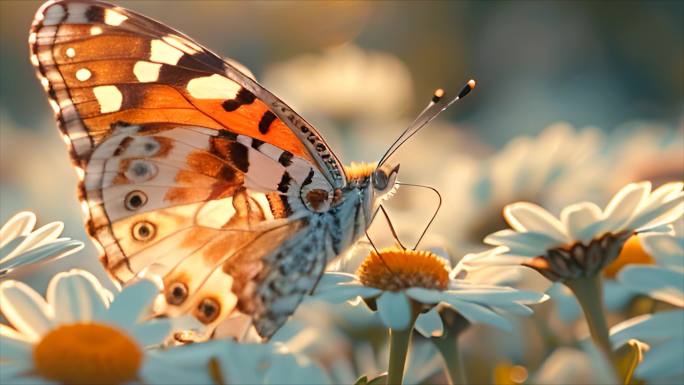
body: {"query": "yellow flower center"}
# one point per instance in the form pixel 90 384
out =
pixel 87 353
pixel 632 253
pixel 396 269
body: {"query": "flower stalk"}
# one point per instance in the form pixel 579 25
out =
pixel 448 348
pixel 589 294
pixel 400 341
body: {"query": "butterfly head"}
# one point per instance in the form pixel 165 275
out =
pixel 380 180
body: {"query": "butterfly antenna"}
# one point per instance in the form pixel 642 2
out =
pixel 434 215
pixel 437 104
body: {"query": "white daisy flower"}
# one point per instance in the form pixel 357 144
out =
pixel 21 245
pixel 617 293
pixel 559 166
pixel 79 334
pixel 666 247
pixel 398 282
pixel 663 362
pixel 646 152
pixel 665 281
pixel 585 239
pixel 356 83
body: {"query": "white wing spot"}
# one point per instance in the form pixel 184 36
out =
pixel 146 71
pixel 34 60
pixel 112 17
pixel 32 38
pixel 213 87
pixel 109 97
pixel 95 30
pixel 83 74
pixel 54 105
pixel 45 83
pixel 164 53
pixel 70 52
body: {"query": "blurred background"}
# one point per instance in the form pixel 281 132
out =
pixel 360 71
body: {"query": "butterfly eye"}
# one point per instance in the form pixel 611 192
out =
pixel 144 231
pixel 176 293
pixel 384 177
pixel 207 310
pixel 380 179
pixel 135 200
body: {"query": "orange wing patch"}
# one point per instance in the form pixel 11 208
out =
pixel 245 120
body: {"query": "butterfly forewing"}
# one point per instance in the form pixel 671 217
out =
pixel 189 169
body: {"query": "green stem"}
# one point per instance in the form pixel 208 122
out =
pixel 399 345
pixel 589 294
pixel 448 348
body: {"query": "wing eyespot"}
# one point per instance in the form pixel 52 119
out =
pixel 141 171
pixel 176 293
pixel 144 231
pixel 135 200
pixel 208 310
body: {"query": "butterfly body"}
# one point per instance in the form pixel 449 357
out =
pixel 191 171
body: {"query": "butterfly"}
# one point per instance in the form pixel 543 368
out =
pixel 193 172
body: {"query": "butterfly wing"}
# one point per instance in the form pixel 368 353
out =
pixel 189 169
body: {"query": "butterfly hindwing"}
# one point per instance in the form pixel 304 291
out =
pixel 189 169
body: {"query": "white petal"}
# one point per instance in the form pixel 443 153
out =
pixel 616 295
pixel 515 308
pixel 150 333
pixel 297 370
pixel 19 225
pixel 330 280
pixel 423 295
pixel 658 215
pixel 624 204
pixel 8 248
pixel 578 218
pixel 25 309
pixel 528 244
pixel 76 296
pixel 188 364
pixel 665 248
pixel 476 314
pixel 15 349
pixel 659 283
pixel 132 303
pixel 649 327
pixel 430 324
pixel 19 373
pixel 53 250
pixel 662 361
pixel 395 310
pixel 496 297
pixel 523 216
pixel 39 237
pixel 566 305
pixel 662 194
pixel 9 332
pixel 346 292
